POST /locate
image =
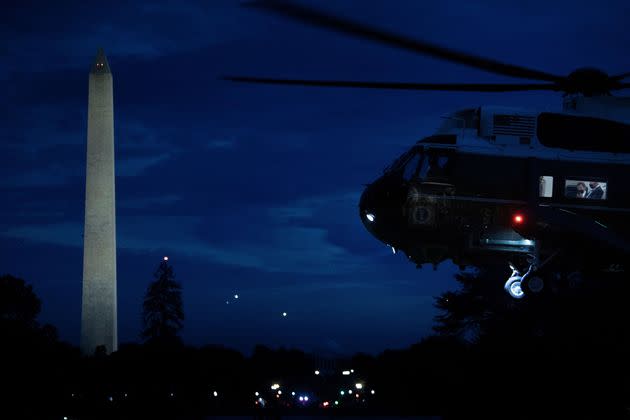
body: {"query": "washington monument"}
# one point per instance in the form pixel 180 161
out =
pixel 98 316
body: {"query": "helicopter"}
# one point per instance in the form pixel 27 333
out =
pixel 542 192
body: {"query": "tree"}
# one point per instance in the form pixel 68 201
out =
pixel 18 302
pixel 163 312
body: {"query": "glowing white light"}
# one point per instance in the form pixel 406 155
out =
pixel 293 393
pixel 215 393
pixel 317 372
pixel 358 385
pixel 110 399
pixel 393 250
pixel 370 217
pixel 305 398
pixel 227 302
pixel 279 392
pixel 275 386
pixel 301 398
pixel 342 392
pixel 372 392
pixel 65 418
pixel 284 314
pixel 165 258
pixel 345 372
pixel 336 402
pixel 351 370
pixel 235 296
pixel 349 392
pixel 256 393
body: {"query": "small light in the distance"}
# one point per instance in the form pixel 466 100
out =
pixel 345 372
pixel 235 296
pixel 215 393
pixel 165 258
pixel 256 393
pixel 370 217
pixel 284 314
pixel 317 372
pixel 358 385
pixel 372 392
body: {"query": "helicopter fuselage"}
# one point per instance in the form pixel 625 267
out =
pixel 474 193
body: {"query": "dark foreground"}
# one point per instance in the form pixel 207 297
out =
pixel 561 354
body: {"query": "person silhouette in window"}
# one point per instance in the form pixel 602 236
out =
pixel 596 192
pixel 580 191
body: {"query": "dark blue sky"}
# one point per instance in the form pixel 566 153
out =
pixel 251 189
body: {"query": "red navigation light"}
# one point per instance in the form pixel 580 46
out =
pixel 518 219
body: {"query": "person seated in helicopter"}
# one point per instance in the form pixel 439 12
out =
pixel 596 191
pixel 580 190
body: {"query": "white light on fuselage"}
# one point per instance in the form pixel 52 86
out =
pixel 370 217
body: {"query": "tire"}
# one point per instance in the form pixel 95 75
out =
pixel 513 287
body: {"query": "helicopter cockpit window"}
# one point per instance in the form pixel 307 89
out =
pixel 585 189
pixel 435 166
pixel 411 167
pixel 545 186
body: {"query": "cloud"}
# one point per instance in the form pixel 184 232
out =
pixel 296 250
pixel 220 144
pixel 307 208
pixel 148 202
pixel 136 165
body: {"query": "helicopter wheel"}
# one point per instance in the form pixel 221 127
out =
pixel 513 287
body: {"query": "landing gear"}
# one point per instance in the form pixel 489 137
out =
pixel 514 285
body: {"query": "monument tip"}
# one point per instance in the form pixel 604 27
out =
pixel 100 64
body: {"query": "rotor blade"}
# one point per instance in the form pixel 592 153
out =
pixel 316 18
pixel 461 87
pixel 620 76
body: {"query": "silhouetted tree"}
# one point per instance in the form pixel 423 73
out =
pixel 163 312
pixel 18 302
pixel 578 331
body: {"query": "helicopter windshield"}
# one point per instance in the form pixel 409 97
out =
pixel 420 164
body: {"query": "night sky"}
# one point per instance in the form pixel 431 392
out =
pixel 252 189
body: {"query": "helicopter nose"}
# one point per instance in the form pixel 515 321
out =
pixel 367 208
pixel 380 208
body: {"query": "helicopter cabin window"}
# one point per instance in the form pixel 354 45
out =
pixel 587 189
pixel 545 186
